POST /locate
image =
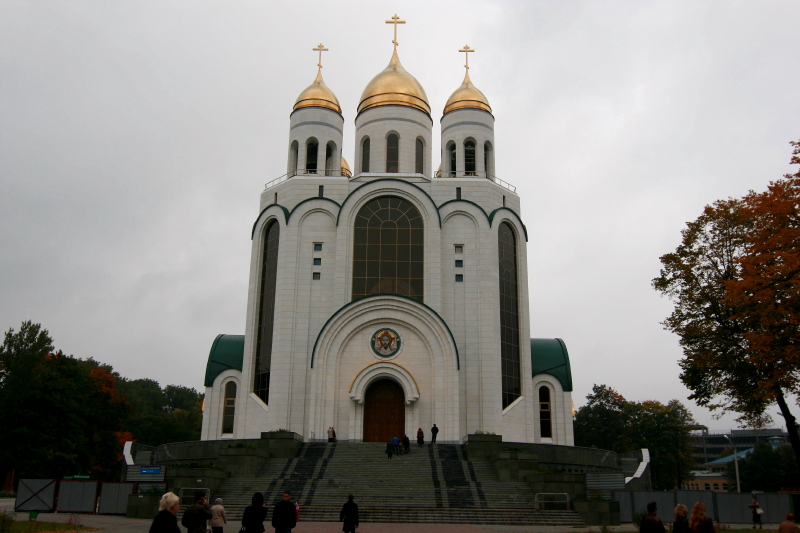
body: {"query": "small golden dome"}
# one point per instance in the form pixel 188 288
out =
pixel 346 168
pixel 394 86
pixel 318 95
pixel 467 96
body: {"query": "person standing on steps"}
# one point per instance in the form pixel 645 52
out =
pixel 331 434
pixel 349 515
pixel 218 517
pixel 420 437
pixel 396 444
pixel 284 515
pixel 389 448
pixel 254 515
pixel 406 444
pixel 434 432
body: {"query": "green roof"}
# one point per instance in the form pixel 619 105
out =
pixel 549 356
pixel 227 353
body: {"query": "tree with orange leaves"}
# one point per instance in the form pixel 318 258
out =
pixel 734 281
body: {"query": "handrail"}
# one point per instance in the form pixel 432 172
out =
pixel 475 174
pixel 308 172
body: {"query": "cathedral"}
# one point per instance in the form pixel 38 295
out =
pixel 389 296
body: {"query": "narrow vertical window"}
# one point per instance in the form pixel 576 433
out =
pixel 451 152
pixel 545 418
pixel 322 192
pixel 266 314
pixel 509 315
pixel 469 158
pixel 311 156
pixel 419 167
pixel 293 152
pixel 330 150
pixel 488 159
pixel 392 153
pixel 229 407
pixel 458 193
pixel 365 155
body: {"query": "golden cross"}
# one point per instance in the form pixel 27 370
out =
pixel 466 51
pixel 395 20
pixel 320 49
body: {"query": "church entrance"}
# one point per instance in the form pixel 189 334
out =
pixel 384 411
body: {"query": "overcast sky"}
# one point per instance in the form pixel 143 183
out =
pixel 136 138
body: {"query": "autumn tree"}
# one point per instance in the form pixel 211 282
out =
pixel 734 281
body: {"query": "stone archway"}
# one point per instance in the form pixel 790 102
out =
pixel 384 411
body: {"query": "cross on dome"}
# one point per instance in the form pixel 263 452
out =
pixel 466 51
pixel 395 20
pixel 320 49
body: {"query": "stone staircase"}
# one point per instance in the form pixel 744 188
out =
pixel 430 484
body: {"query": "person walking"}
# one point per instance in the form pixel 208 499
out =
pixel 166 521
pixel 218 516
pixel 651 523
pixel 406 444
pixel 757 512
pixel 396 444
pixel 699 522
pixel 420 437
pixel 195 516
pixel 789 526
pixel 254 515
pixel 434 432
pixel 681 523
pixel 349 515
pixel 389 448
pixel 284 515
pixel 331 434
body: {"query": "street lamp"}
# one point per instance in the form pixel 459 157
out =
pixel 735 463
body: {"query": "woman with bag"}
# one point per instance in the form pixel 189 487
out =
pixel 757 512
pixel 254 515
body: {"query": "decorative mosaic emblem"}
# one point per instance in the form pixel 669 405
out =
pixel 385 342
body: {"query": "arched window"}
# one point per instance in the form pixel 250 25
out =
pixel 725 487
pixel 330 154
pixel 488 162
pixel 388 254
pixel 293 158
pixel 229 407
pixel 392 153
pixel 716 486
pixel 469 158
pixel 451 157
pixel 419 168
pixel 545 418
pixel 509 315
pixel 266 314
pixel 365 155
pixel 312 146
pixel 706 486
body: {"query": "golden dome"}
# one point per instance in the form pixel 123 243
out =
pixel 346 168
pixel 467 96
pixel 394 86
pixel 318 95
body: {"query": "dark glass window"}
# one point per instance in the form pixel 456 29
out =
pixel 452 152
pixel 365 155
pixel 311 156
pixel 293 156
pixel 459 277
pixel 229 407
pixel 315 275
pixel 266 315
pixel 487 158
pixel 388 255
pixel 317 261
pixel 330 149
pixel 509 315
pixel 317 246
pixel 459 263
pixel 469 158
pixel 392 153
pixel 545 418
pixel 420 157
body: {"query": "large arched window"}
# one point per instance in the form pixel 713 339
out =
pixel 365 155
pixel 469 158
pixel 509 315
pixel 312 146
pixel 266 313
pixel 392 153
pixel 545 413
pixel 388 255
pixel 420 159
pixel 229 407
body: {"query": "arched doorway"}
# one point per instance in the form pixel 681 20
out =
pixel 384 411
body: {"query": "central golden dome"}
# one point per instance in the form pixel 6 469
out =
pixel 394 86
pixel 467 96
pixel 318 95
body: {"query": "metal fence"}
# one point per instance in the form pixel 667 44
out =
pixel 114 498
pixel 36 495
pixel 77 496
pixel 728 508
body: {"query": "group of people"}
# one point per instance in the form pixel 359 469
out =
pixel 397 446
pixel 285 515
pixel 698 522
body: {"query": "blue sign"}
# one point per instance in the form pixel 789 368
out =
pixel 149 469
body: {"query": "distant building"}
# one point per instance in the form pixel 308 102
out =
pixel 709 445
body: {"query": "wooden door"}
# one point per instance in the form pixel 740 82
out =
pixel 384 411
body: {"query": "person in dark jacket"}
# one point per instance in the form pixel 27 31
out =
pixel 406 444
pixel 650 522
pixel 699 522
pixel 195 517
pixel 434 432
pixel 349 515
pixel 166 521
pixel 284 515
pixel 254 515
pixel 681 523
pixel 420 437
pixel 389 448
pixel 755 508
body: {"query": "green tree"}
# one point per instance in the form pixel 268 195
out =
pixel 171 414
pixel 765 468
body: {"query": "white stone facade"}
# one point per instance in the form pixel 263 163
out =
pixel 449 363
